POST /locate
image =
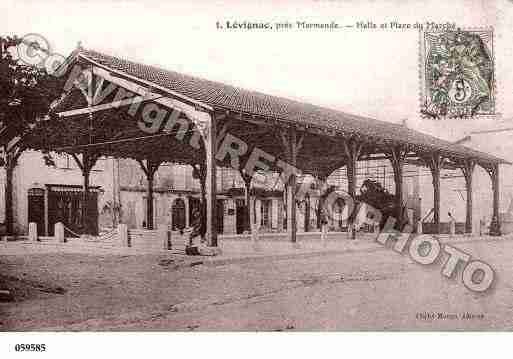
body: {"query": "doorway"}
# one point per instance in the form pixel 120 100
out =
pixel 240 216
pixel 36 209
pixel 178 214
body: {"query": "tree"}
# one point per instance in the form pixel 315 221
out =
pixel 26 93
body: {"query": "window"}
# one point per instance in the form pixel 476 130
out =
pixel 265 213
pixel 64 161
pixel 180 177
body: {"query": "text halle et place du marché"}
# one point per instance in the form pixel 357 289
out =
pixel 396 25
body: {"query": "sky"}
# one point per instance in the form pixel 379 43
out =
pixel 372 73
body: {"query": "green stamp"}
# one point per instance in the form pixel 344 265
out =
pixel 457 74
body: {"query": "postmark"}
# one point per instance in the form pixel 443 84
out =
pixel 457 74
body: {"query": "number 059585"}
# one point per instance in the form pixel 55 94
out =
pixel 30 347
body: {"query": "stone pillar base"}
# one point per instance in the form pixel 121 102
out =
pixel 495 228
pixel 123 235
pixel 32 235
pixel 59 232
pixel 209 251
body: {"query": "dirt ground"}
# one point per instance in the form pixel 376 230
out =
pixel 363 290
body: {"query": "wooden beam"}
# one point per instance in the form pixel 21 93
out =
pixel 123 79
pixel 247 199
pixel 434 164
pixel 86 164
pixel 374 157
pixel 352 150
pixel 495 225
pixel 150 167
pixel 467 167
pixel 252 133
pixel 181 104
pixel 114 142
pixel 307 212
pixel 291 147
pixel 210 139
pixel 110 105
pixel 143 167
pixel 200 172
pixel 78 161
pixel 397 155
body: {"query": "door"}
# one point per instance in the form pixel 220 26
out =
pixel 240 216
pixel 68 207
pixel 220 216
pixel 194 203
pixel 178 214
pixel 265 214
pixel 36 209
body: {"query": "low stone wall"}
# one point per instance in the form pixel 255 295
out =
pixel 431 228
pixel 301 236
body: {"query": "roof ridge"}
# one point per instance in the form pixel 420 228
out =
pixel 239 88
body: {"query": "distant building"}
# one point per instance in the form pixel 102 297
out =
pixel 496 140
pixel 46 195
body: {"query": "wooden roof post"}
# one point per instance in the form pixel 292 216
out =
pixel 200 172
pixel 149 203
pixel 149 168
pixel 87 163
pixel 434 163
pixel 319 211
pixel 396 157
pixel 291 146
pixel 247 199
pixel 495 225
pixel 468 169
pixel 352 150
pixel 307 212
pixel 206 126
pixel 209 133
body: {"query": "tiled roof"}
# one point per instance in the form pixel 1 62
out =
pixel 222 96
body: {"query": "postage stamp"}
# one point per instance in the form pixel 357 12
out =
pixel 457 74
